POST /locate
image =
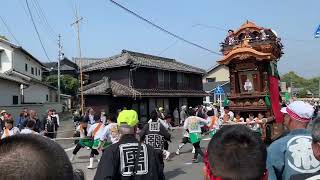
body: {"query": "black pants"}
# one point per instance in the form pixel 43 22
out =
pixel 160 157
pixel 78 147
pixel 166 145
pixel 185 140
pixel 198 150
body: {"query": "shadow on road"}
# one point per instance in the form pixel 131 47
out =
pixel 174 173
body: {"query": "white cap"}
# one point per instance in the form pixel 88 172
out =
pixel 3 111
pixel 299 111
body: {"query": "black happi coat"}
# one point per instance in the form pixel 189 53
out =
pixel 117 162
pixel 154 134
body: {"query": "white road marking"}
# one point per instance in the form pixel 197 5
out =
pixel 69 149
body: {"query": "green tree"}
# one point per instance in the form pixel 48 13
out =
pixel 302 94
pixel 69 85
pixel 300 82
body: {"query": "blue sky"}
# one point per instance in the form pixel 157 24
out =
pixel 107 29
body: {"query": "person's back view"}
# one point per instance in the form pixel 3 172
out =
pixel 235 153
pixel 33 157
pixel 128 158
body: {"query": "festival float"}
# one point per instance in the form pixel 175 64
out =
pixel 252 53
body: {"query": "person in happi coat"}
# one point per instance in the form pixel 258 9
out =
pixel 82 132
pixel 292 154
pixel 193 125
pixel 143 164
pixel 50 125
pixel 110 134
pixel 154 134
pixel 95 131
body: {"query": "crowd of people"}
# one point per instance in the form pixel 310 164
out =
pixel 28 122
pixel 134 151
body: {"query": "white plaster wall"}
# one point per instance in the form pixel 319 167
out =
pixel 6 58
pixel 221 74
pixel 20 59
pixel 8 89
pixel 36 93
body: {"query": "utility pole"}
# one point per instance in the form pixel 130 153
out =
pixel 77 23
pixel 59 58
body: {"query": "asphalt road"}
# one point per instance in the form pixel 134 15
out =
pixel 177 168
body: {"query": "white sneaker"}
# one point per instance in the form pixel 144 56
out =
pixel 167 155
pixel 177 152
pixel 91 164
pixel 193 150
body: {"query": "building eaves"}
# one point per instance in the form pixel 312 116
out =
pixel 22 50
pixel 130 58
pixel 11 78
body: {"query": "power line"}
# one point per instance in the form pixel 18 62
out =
pixel 9 30
pixel 163 30
pixel 43 22
pixel 193 26
pixel 44 17
pixel 36 29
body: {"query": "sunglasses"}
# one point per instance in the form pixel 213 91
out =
pixel 208 173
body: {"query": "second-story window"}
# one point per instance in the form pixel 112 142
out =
pixel 32 70
pixel 160 79
pixel 26 67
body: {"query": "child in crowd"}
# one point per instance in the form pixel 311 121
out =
pixel 8 129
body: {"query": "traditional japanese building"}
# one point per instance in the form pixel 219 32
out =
pixel 142 82
pixel 67 67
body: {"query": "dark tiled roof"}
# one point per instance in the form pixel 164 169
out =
pixel 127 58
pixel 65 67
pixel 86 61
pixel 107 87
pixel 98 88
pixel 50 64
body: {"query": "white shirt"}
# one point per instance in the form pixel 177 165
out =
pixel 28 131
pixel 103 119
pixel 164 123
pixel 192 123
pixel 111 131
pixel 231 115
pixel 58 119
pixel 98 133
pixel 11 132
pixel 91 119
pixel 80 129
